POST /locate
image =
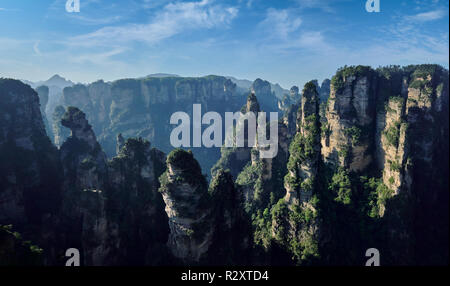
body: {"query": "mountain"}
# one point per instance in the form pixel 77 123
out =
pixel 55 85
pixel 143 107
pixel 244 85
pixel 367 168
pixel 162 75
pixel 54 81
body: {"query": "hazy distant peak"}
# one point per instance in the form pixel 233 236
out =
pixel 58 80
pixel 159 75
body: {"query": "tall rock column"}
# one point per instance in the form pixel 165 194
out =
pixel 43 92
pixel 304 150
pixel 85 180
pixel 295 223
pixel 185 193
pixel 350 117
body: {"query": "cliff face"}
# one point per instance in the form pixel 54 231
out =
pixel 235 158
pixel 110 211
pixel 136 207
pixel 380 134
pixel 304 151
pixel 324 91
pixel 295 223
pixel 115 205
pixel 94 99
pixel 231 240
pixel 30 177
pixel 389 123
pixel 289 99
pixel 142 108
pixel 29 167
pixel 369 170
pixel 185 193
pixel 413 143
pixel 43 93
pixel 263 91
pixel 349 118
pixel 85 182
pixel 60 133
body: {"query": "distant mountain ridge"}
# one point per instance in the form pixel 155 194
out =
pixel 54 81
pixel 244 85
pixel 161 75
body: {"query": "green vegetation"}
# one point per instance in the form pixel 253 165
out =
pixel 325 130
pixel 15 251
pixel 341 186
pixel 344 152
pixel 394 166
pixel 355 133
pixel 392 134
pixel 343 73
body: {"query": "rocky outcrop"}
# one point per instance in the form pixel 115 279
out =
pixel 43 92
pixel 185 193
pixel 324 91
pixel 30 176
pixel 231 238
pixel 114 205
pixel 294 219
pixel 304 151
pixel 380 180
pixel 29 165
pixel 85 183
pixel 289 99
pixel 235 158
pixel 266 98
pixel 349 116
pixel 60 133
pixel 136 209
pixel 142 108
pixel 94 99
pixel 120 143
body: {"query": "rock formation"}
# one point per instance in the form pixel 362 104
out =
pixel 185 193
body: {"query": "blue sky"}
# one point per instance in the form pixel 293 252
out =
pixel 287 42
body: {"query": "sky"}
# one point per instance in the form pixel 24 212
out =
pixel 287 42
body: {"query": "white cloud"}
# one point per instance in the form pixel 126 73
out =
pixel 280 23
pixel 173 19
pixel 324 5
pixel 36 48
pixel 101 58
pixel 427 16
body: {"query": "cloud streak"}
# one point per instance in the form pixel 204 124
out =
pixel 280 23
pixel 173 19
pixel 427 16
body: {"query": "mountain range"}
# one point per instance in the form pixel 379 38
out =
pixel 362 164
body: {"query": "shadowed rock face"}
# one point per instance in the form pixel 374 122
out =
pixel 263 91
pixel 185 194
pixel 117 206
pixel 76 121
pixel 43 92
pixel 28 161
pixel 142 108
pixel 60 133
